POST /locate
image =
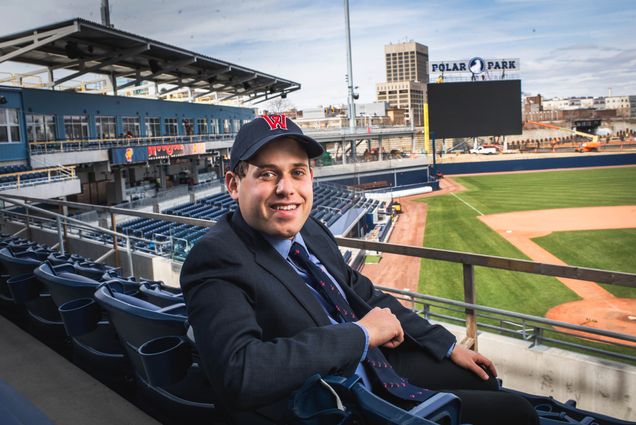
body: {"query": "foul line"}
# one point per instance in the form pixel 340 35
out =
pixel 466 203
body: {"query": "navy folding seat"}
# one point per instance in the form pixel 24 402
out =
pixel 95 343
pixel 21 260
pixel 94 270
pixel 56 258
pixel 30 294
pixel 553 412
pixel 162 356
pixel 160 294
pixel 338 399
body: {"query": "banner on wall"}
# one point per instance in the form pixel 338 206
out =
pixel 131 155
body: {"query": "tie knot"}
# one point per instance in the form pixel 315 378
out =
pixel 298 252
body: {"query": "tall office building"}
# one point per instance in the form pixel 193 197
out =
pixel 406 78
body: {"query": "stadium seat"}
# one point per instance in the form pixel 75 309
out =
pixel 178 387
pixel 20 260
pixel 159 294
pixel 27 293
pixel 553 412
pixel 333 398
pixel 94 270
pixel 95 343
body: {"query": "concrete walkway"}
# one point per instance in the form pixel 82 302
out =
pixel 64 393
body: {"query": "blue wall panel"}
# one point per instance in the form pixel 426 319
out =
pixel 69 103
pixel 414 177
pixel 595 160
pixel 14 151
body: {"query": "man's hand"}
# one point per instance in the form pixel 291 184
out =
pixel 474 361
pixel 383 328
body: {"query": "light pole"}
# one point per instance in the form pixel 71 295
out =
pixel 350 85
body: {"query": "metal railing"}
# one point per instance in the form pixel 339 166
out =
pixel 533 328
pixel 44 147
pixel 470 260
pixel 38 176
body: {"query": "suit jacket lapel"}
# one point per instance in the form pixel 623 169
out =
pixel 271 262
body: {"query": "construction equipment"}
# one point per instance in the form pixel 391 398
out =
pixel 592 146
pixel 397 207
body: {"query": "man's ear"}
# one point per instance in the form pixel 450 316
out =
pixel 232 184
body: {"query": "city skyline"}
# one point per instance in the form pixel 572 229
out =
pixel 566 48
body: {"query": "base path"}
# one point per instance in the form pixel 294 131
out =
pixel 399 271
pixel 599 308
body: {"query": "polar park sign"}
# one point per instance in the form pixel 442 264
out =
pixel 476 66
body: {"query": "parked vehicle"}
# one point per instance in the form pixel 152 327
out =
pixel 485 150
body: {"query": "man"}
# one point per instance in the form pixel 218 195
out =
pixel 263 324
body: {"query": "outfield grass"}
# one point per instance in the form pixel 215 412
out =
pixel 451 224
pixel 613 249
pixel 499 193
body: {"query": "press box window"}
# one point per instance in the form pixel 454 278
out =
pixel 131 126
pixel 202 125
pixel 75 127
pixel 106 127
pixel 215 126
pixel 40 128
pixel 188 130
pixel 153 127
pixel 171 126
pixel 9 125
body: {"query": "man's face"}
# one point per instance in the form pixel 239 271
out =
pixel 276 194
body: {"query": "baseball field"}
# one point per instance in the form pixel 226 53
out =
pixel 459 221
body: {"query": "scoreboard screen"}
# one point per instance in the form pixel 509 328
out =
pixel 476 108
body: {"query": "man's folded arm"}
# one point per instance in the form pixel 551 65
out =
pixel 436 339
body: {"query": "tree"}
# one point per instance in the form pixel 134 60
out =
pixel 279 106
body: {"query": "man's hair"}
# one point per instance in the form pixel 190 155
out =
pixel 241 169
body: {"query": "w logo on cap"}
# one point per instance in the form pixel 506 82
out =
pixel 276 121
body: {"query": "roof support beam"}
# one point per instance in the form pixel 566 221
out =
pixel 230 96
pixel 254 90
pixel 207 75
pixel 177 87
pixel 38 40
pixel 281 93
pixel 119 55
pixel 244 80
pixel 164 70
pixel 198 95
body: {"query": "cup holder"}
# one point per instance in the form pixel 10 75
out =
pixel 80 316
pixel 23 288
pixel 166 360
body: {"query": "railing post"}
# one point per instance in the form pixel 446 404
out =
pixel 469 297
pixel 130 259
pixel 28 221
pixel 60 235
pixel 115 245
pixel 63 209
pixel 537 337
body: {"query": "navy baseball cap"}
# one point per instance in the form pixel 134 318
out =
pixel 262 130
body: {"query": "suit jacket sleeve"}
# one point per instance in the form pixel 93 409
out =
pixel 256 343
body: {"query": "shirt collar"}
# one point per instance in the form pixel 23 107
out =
pixel 282 246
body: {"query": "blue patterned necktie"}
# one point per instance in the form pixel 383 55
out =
pixel 377 364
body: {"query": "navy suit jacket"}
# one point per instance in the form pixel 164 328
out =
pixel 260 331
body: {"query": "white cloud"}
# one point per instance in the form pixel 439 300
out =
pixel 566 47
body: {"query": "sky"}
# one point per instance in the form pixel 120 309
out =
pixel 566 47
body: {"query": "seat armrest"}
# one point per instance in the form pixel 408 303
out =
pixel 176 309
